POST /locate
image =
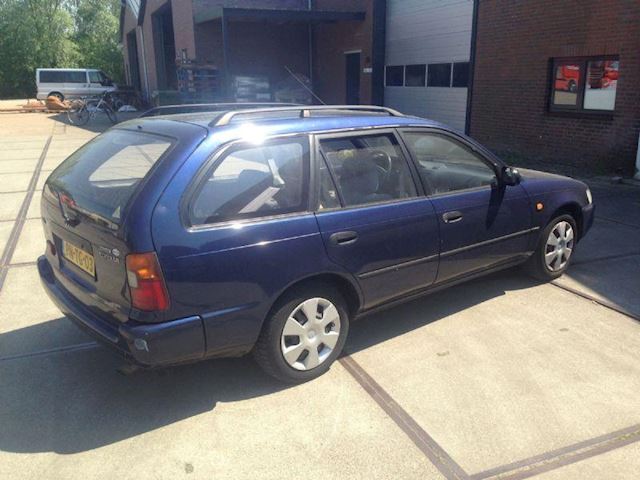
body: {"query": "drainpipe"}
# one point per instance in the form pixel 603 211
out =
pixel 637 175
pixel 310 40
pixel 147 95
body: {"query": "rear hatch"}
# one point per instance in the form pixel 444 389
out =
pixel 84 204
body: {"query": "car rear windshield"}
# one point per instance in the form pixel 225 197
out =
pixel 102 176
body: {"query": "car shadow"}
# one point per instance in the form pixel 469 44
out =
pixel 75 401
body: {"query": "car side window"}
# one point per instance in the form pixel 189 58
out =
pixel 254 181
pixel 446 165
pixel 367 169
pixel 94 77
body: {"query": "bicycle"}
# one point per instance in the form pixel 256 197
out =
pixel 84 109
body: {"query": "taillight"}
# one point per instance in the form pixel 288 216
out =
pixel 146 283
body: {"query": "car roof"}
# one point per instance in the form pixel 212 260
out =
pixel 326 121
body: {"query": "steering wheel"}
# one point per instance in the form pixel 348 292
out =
pixel 383 163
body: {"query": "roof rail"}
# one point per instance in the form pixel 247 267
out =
pixel 208 107
pixel 303 111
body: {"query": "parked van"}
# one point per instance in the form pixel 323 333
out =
pixel 71 82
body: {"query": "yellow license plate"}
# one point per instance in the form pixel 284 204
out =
pixel 79 258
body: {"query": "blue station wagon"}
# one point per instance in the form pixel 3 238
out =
pixel 182 237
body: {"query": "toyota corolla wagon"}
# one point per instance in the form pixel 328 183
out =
pixel 183 237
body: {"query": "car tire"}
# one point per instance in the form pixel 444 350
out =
pixel 58 95
pixel 286 344
pixel 555 249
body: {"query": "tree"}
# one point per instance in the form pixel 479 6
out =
pixel 56 33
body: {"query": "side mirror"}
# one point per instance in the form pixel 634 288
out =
pixel 510 176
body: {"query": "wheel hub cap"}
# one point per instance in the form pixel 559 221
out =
pixel 310 333
pixel 559 246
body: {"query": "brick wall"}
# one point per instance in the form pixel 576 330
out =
pixel 515 42
pixel 332 40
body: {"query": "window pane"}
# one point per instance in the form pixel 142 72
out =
pixel 102 176
pixel 602 81
pixel 328 192
pixel 394 76
pixel 52 76
pixel 75 77
pixel 566 80
pixel 439 75
pixel 415 75
pixel 254 181
pixel 94 77
pixel 369 169
pixel 446 165
pixel 460 74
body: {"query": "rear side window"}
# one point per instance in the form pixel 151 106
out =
pixel 52 76
pixel 102 176
pixel 254 181
pixel 75 77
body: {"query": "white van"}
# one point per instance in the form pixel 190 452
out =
pixel 71 82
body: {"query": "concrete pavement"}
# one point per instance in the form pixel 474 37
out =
pixel 498 378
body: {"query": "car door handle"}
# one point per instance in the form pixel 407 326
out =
pixel 452 217
pixel 343 238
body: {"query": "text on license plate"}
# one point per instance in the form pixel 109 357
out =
pixel 79 258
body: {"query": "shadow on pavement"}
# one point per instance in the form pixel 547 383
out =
pixel 98 124
pixel 77 401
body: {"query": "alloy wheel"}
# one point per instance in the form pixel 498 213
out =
pixel 310 334
pixel 559 246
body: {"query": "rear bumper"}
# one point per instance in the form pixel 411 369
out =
pixel 167 343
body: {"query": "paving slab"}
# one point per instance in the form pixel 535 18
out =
pixel 31 242
pixel 14 182
pixel 17 166
pixel 5 231
pixel 607 239
pixel 9 154
pixel 29 321
pixel 10 204
pixel 615 281
pixel 621 464
pixel 503 369
pixel 72 416
pixel 34 206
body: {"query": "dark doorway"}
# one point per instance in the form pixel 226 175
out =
pixel 353 78
pixel 165 49
pixel 134 65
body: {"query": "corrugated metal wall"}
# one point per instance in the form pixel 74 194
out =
pixel 423 32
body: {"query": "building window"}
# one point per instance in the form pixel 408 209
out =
pixel 460 75
pixel 439 75
pixel 415 75
pixel 394 76
pixel 586 84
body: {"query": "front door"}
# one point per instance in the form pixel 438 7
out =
pixel 373 219
pixel 483 223
pixel 353 78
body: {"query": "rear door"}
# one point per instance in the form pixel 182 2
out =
pixel 84 203
pixel 372 217
pixel 483 222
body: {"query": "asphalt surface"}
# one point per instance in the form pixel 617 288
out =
pixel 502 377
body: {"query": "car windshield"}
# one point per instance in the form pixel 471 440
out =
pixel 102 176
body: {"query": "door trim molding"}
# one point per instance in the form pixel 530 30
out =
pixel 396 266
pixel 455 251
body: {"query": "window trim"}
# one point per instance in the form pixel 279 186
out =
pixel 492 162
pixel 214 160
pixel 362 132
pixel 579 109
